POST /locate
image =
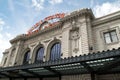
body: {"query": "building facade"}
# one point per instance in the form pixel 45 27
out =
pixel 76 33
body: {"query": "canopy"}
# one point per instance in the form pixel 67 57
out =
pixel 104 62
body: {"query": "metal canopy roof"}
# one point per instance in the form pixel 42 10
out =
pixel 96 63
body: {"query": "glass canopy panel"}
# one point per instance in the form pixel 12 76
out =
pixel 25 73
pixel 41 71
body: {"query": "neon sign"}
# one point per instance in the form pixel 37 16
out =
pixel 36 27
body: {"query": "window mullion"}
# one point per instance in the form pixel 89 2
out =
pixel 110 37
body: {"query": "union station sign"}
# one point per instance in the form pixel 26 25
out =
pixel 47 22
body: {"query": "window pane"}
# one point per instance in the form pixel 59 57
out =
pixel 40 55
pixel 107 38
pixel 26 57
pixel 107 35
pixel 110 36
pixel 113 33
pixel 114 36
pixel 55 51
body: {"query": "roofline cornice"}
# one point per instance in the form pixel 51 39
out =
pixel 78 13
pixel 57 26
pixel 23 37
pixel 70 16
pixel 106 18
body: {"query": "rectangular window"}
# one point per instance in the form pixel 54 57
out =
pixel 110 36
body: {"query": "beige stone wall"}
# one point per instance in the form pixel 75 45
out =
pixel 76 35
pixel 99 42
pixel 78 77
pixel 34 42
pixel 65 39
pixel 76 46
pixel 108 77
pixel 5 60
pixel 51 78
pixel 63 35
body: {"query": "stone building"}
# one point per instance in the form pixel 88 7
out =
pixel 65 36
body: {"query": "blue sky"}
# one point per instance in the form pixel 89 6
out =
pixel 17 16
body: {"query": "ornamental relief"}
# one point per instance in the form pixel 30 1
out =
pixel 32 45
pixel 74 38
pixel 74 35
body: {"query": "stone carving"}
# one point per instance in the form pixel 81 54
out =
pixel 32 45
pixel 46 41
pixel 73 23
pixel 13 52
pixel 74 37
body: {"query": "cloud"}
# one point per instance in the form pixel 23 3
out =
pixel 1 22
pixel 55 1
pixel 8 35
pixel 38 4
pixel 106 8
pixel 4 44
pixel 4 37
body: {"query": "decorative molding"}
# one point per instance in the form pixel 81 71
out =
pixel 60 36
pixel 74 34
pixel 73 23
pixel 24 37
pixel 54 38
pixel 72 15
pixel 106 19
pixel 77 13
pixel 76 50
pixel 46 41
pixel 74 39
pixel 32 45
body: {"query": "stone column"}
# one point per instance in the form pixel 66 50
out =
pixel 83 35
pixel 19 49
pixel 65 40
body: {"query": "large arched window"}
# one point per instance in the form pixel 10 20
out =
pixel 39 55
pixel 55 51
pixel 26 57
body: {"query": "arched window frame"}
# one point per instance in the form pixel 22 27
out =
pixel 39 55
pixel 56 48
pixel 26 57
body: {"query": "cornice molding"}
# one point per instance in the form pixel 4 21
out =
pixel 6 51
pixel 17 38
pixel 71 16
pixel 57 26
pixel 23 37
pixel 78 13
pixel 106 19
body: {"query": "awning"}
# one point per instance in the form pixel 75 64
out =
pixel 104 62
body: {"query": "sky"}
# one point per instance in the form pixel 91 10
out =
pixel 17 16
